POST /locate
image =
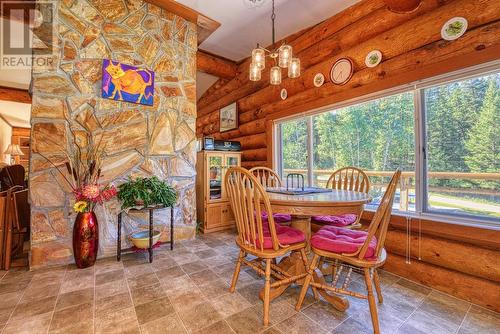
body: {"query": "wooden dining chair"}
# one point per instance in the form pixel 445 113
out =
pixel 268 178
pixel 261 238
pixel 17 223
pixel 347 178
pixel 353 249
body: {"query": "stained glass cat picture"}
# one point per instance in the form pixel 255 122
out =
pixel 122 82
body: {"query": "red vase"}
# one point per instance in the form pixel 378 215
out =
pixel 85 239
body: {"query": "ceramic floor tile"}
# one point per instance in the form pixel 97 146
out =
pixel 190 268
pixel 350 326
pixel 75 284
pixel 153 310
pixel 75 298
pixel 230 304
pixel 215 288
pixel 109 276
pixel 480 320
pixel 187 299
pixel 33 308
pixel 142 280
pixel 220 327
pixel 204 276
pixel 300 324
pixel 147 294
pixel 71 317
pixel 246 322
pixel 119 321
pixel 325 314
pixel 429 323
pixel 169 273
pixel 445 307
pixel 112 288
pixel 113 303
pixel 199 316
pixel 38 324
pixel 169 324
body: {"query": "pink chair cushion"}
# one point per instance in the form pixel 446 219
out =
pixel 342 240
pixel 278 217
pixel 339 221
pixel 286 236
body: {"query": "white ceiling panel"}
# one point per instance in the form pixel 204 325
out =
pixel 243 26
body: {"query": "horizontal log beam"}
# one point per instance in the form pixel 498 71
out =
pixel 214 65
pixel 251 164
pixel 477 46
pixel 466 258
pixel 15 95
pixel 258 154
pixel 251 141
pixel 473 289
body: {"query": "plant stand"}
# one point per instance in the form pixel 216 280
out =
pixel 151 209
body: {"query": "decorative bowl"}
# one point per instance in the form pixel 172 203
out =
pixel 140 239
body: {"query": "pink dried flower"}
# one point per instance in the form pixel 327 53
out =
pixel 109 193
pixel 91 191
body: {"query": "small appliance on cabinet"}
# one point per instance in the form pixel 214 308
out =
pixel 213 208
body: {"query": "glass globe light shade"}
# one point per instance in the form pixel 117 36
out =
pixel 275 75
pixel 259 58
pixel 284 55
pixel 255 72
pixel 294 68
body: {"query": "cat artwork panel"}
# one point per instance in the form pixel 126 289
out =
pixel 127 83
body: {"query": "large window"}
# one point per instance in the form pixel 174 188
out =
pixel 445 134
pixel 463 147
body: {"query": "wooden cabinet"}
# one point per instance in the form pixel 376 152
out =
pixel 213 209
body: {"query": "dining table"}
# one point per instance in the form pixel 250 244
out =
pixel 302 206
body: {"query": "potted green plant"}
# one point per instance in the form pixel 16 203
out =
pixel 146 191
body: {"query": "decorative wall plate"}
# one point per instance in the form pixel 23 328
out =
pixel 341 71
pixel 318 80
pixel 454 28
pixel 283 94
pixel 373 58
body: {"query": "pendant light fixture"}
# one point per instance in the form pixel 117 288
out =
pixel 281 57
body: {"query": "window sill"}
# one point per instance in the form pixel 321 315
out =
pixel 480 234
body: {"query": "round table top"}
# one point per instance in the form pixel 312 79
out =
pixel 332 198
pixel 318 203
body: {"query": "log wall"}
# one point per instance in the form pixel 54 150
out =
pixel 465 266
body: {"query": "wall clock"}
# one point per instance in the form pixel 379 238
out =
pixel 341 71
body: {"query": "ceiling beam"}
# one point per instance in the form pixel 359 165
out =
pixel 215 65
pixel 206 26
pixel 15 95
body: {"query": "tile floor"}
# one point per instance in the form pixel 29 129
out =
pixel 186 291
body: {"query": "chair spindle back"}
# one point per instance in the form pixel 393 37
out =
pixel 267 177
pixel 380 221
pixel 349 178
pixel 248 200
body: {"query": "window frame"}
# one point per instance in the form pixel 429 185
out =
pixel 417 88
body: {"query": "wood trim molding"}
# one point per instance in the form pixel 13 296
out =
pixel 215 65
pixel 15 95
pixel 206 26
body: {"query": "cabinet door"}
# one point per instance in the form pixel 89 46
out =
pixel 227 214
pixel 215 175
pixel 214 216
pixel 230 160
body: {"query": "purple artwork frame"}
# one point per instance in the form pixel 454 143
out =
pixel 122 82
